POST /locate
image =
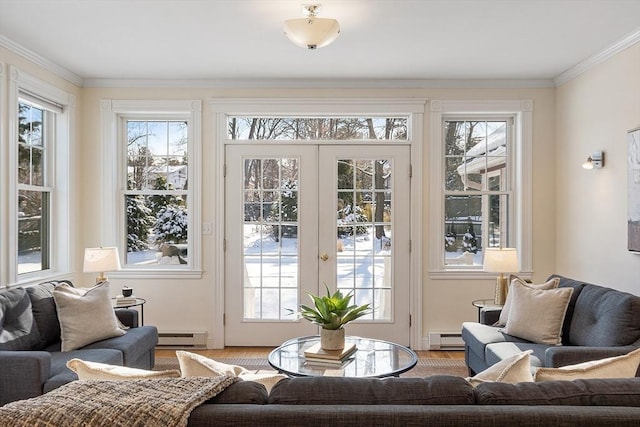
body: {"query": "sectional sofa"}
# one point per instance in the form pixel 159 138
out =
pixel 436 401
pixel 31 360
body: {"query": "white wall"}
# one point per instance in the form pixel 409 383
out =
pixel 594 112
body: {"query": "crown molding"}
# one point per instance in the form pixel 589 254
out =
pixel 622 44
pixel 41 61
pixel 321 83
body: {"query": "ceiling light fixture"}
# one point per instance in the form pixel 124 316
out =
pixel 311 32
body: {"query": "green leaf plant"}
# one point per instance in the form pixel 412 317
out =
pixel 331 311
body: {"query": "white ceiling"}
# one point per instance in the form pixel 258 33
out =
pixel 380 39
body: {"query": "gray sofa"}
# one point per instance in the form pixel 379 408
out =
pixel 437 401
pixel 31 362
pixel 600 322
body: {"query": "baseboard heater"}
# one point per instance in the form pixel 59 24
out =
pixel 182 339
pixel 445 341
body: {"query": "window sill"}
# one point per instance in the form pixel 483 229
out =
pixel 156 273
pixel 459 274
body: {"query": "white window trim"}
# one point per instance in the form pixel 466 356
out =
pixel 522 110
pixel 412 107
pixel 113 203
pixel 62 175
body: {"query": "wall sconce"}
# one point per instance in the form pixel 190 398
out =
pixel 311 32
pixel 501 260
pixel 99 260
pixel 594 161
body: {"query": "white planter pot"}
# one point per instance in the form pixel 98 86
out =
pixel 332 339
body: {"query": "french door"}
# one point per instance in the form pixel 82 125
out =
pixel 299 217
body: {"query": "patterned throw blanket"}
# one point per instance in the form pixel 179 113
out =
pixel 153 402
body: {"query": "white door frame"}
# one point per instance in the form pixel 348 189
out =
pixel 413 107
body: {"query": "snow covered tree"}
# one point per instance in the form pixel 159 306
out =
pixel 157 202
pixel 285 210
pixel 469 241
pixel 139 220
pixel 171 225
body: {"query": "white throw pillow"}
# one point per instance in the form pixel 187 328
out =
pixel 624 366
pixel 101 371
pixel 504 314
pixel 85 315
pixel 196 365
pixel 513 369
pixel 537 315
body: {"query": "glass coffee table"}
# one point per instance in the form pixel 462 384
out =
pixel 372 359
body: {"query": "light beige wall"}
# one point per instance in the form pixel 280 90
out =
pixel 594 112
pixel 447 303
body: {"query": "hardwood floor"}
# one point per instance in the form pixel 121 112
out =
pixel 258 352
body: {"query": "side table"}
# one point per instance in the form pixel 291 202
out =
pixel 484 303
pixel 139 302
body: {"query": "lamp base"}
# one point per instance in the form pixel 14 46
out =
pixel 502 287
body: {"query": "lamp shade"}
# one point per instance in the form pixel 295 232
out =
pixel 501 260
pixel 311 33
pixel 101 260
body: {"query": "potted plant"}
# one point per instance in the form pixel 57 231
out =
pixel 331 313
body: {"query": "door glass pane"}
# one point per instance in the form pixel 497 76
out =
pixel 270 245
pixel 364 232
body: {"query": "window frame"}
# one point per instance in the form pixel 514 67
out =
pixel 520 180
pixel 115 114
pixel 60 107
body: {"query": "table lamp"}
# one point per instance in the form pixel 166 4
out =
pixel 501 260
pixel 99 260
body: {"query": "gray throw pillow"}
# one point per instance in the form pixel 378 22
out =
pixel 18 331
pixel 44 312
pixel 85 315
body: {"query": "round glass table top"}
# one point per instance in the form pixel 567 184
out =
pixel 373 358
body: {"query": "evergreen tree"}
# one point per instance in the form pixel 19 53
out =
pixel 158 202
pixel 139 220
pixel 469 241
pixel 171 225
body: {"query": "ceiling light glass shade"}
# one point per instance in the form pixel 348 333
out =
pixel 312 33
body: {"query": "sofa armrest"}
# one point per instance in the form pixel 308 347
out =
pixel 571 355
pixel 490 315
pixel 128 317
pixel 23 374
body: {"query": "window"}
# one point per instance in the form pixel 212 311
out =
pixel 157 176
pixel 481 183
pixel 318 128
pixel 34 187
pixel 40 179
pixel 477 188
pixel 156 217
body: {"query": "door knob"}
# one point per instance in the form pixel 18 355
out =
pixel 324 257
